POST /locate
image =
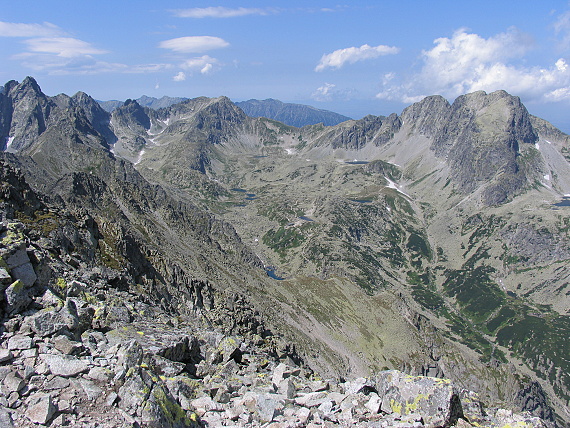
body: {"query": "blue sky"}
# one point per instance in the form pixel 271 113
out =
pixel 356 58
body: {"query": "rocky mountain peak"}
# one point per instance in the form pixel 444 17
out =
pixel 428 116
pixel 131 114
pixel 31 84
pixel 482 135
pixel 25 111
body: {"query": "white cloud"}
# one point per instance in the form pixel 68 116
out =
pixel 48 49
pixel 324 92
pixel 207 69
pixel 147 68
pixel 467 62
pixel 12 29
pixel 180 77
pixel 194 44
pixel 220 12
pixel 82 65
pixel 351 55
pixel 66 47
pixel 562 28
pixel 205 64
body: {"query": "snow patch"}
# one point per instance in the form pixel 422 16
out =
pixel 547 177
pixel 392 185
pixel 9 141
pixel 290 151
pixel 139 158
pixel 537 146
pixel 548 141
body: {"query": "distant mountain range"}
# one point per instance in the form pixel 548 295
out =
pixel 151 102
pixel 298 115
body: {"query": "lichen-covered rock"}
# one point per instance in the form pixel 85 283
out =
pixel 175 346
pixel 17 297
pixel 435 399
pixel 160 410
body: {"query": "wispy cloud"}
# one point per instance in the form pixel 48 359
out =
pixel 66 47
pixel 194 44
pixel 340 57
pixel 324 92
pixel 14 29
pixel 221 12
pixel 49 49
pixel 330 92
pixel 562 28
pixel 467 62
pixel 83 65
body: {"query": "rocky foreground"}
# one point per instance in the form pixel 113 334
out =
pixel 79 347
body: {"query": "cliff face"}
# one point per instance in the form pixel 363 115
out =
pixel 436 226
pixel 489 139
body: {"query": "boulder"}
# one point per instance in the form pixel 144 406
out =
pixel 161 410
pixel 42 411
pixel 5 355
pixel 166 342
pixel 19 342
pixel 17 297
pixel 5 279
pixel 435 399
pixel 49 322
pixel 18 263
pixel 64 365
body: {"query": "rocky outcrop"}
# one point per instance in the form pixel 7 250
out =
pixel 488 139
pixel 353 135
pixel 86 353
pixel 428 116
pixel 25 112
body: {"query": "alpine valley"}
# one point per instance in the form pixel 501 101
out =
pixel 429 246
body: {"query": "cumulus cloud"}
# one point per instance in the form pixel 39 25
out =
pixel 180 77
pixel 467 62
pixel 220 12
pixel 351 55
pixel 204 64
pixel 194 44
pixel 14 29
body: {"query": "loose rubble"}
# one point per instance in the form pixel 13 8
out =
pixel 79 348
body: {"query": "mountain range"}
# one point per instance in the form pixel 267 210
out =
pixel 298 115
pixel 435 242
